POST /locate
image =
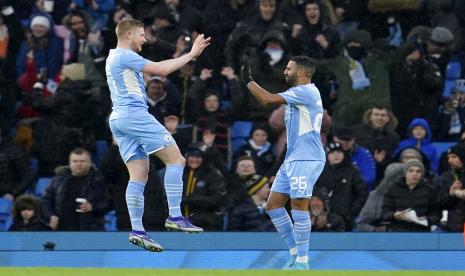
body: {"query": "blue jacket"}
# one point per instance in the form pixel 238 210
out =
pixel 364 161
pixel 50 58
pixel 424 144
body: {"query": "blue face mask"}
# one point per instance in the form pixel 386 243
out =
pixel 275 54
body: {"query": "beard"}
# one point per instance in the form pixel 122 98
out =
pixel 291 79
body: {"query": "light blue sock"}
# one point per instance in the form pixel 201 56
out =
pixel 283 224
pixel 302 228
pixel 135 202
pixel 174 187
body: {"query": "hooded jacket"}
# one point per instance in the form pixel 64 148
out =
pixel 424 144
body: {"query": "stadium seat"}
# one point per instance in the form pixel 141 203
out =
pixel 240 133
pixel 110 221
pixel 442 147
pixel 34 164
pixel 6 206
pixel 101 148
pixel 453 72
pixel 5 221
pixel 41 186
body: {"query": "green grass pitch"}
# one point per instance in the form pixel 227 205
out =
pixel 49 271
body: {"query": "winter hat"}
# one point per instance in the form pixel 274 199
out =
pixel 414 163
pixel 458 150
pixel 333 146
pixel 359 36
pixel 459 85
pixel 74 71
pixel 345 134
pixel 441 36
pixel 40 20
pixel 411 152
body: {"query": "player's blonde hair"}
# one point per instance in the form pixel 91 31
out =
pixel 126 26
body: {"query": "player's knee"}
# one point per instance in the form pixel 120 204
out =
pixel 180 161
pixel 300 204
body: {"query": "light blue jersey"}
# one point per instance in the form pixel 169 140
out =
pixel 303 118
pixel 125 80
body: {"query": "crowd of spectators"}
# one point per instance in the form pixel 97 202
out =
pixel 390 73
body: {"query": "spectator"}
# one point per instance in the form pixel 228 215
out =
pixel 86 47
pixel 204 191
pixel 314 38
pixel 377 134
pixel 184 80
pixel 76 198
pixel 452 118
pixel 342 184
pixel 40 57
pixel 163 98
pixel 410 204
pixel 257 148
pixel 419 136
pixel 246 36
pixel 322 220
pixel 360 156
pixel 16 174
pixel 27 215
pixel 452 191
pixel 117 176
pixel 248 199
pixel 439 46
pixel 98 9
pixel 349 13
pixel 10 41
pixel 213 121
pixel 190 18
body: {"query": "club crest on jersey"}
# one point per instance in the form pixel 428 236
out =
pixel 167 138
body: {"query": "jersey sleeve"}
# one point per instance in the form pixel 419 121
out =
pixel 133 61
pixel 298 96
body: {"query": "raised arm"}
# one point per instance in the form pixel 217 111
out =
pixel 168 66
pixel 263 97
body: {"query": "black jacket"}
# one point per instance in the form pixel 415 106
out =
pixel 93 189
pixel 33 226
pixel 245 216
pixel 454 205
pixel 344 187
pixel 422 199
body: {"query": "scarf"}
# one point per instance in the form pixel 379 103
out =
pixel 260 149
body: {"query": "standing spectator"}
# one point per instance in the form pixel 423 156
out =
pixel 10 40
pixel 16 174
pixel 377 134
pixel 163 98
pixel 314 38
pixel 323 220
pixel 249 194
pixel 452 118
pixel 360 156
pixel 27 215
pixel 190 18
pixel 98 9
pixel 350 13
pixel 204 191
pixel 342 184
pixel 410 204
pixel 419 136
pixel 258 148
pixel 40 57
pixel 76 198
pixel 452 190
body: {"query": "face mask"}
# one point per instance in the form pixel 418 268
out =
pixel 356 53
pixel 275 54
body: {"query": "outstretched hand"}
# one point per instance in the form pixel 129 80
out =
pixel 199 45
pixel 246 73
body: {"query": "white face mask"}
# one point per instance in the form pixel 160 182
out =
pixel 275 54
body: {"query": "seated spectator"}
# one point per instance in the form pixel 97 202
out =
pixel 163 98
pixel 370 219
pixel 97 9
pixel 360 156
pixel 213 121
pixel 117 176
pixel 377 134
pixel 452 190
pixel 40 57
pixel 76 198
pixel 419 136
pixel 452 118
pixel 443 160
pixel 323 220
pixel 342 184
pixel 204 192
pixel 27 215
pixel 249 193
pixel 16 173
pixel 410 204
pixel 257 148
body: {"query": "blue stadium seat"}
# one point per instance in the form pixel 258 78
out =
pixel 442 147
pixel 5 222
pixel 101 148
pixel 6 206
pixel 42 185
pixel 453 72
pixel 110 221
pixel 240 133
